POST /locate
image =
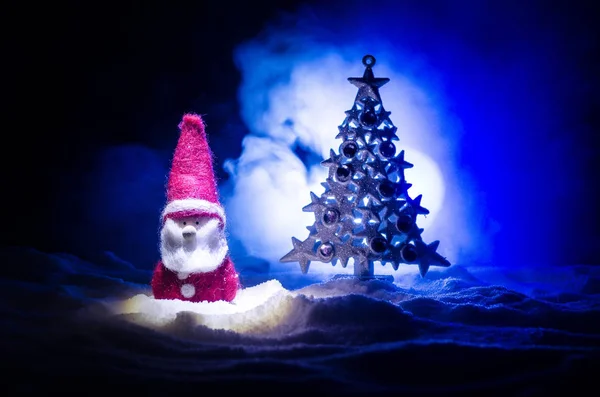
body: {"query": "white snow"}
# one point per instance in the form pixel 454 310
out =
pixel 254 309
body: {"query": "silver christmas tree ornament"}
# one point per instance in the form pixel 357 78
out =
pixel 366 212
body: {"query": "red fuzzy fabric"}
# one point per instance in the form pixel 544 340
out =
pixel 220 284
pixel 192 174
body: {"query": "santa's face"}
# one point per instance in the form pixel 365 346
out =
pixel 193 244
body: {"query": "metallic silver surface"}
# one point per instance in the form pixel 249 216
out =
pixel 366 212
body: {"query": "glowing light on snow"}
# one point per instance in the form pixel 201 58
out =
pixel 255 309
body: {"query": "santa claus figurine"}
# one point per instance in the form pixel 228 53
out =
pixel 195 264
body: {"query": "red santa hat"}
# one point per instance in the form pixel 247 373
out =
pixel 192 187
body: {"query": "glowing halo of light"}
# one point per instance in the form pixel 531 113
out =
pixel 271 182
pixel 426 179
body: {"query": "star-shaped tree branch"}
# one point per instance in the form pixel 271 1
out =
pixel 303 253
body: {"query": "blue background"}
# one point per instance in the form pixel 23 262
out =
pixel 97 112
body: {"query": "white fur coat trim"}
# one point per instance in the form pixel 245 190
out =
pixel 194 204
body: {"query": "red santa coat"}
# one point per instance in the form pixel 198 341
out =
pixel 219 284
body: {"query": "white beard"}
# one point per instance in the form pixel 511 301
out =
pixel 202 254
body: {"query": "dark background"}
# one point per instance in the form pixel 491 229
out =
pixel 83 77
pixel 87 76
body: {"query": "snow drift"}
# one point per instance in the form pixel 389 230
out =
pixel 455 331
